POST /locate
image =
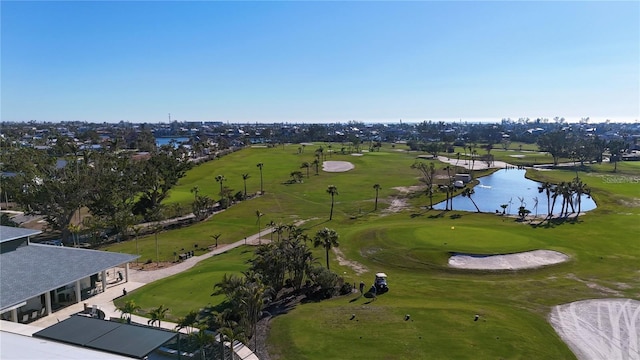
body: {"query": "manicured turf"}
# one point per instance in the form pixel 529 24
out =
pixel 412 247
pixel 190 290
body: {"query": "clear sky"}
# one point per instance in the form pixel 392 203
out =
pixel 305 61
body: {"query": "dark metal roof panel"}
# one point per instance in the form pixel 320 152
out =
pixel 118 338
pixel 132 340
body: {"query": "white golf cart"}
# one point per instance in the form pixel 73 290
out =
pixel 381 283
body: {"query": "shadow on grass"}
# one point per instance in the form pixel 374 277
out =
pixel 555 222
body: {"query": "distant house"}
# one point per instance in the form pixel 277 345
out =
pixel 36 280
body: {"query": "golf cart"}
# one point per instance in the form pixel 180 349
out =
pixel 381 283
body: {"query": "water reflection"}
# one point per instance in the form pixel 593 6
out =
pixel 506 186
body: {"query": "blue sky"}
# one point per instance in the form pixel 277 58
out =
pixel 319 61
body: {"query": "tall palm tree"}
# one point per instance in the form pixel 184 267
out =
pixel 220 179
pixel 467 192
pixel 546 188
pixel 128 308
pixel 305 165
pixel 333 191
pixel 157 315
pixel 254 296
pixel 377 188
pixel 327 238
pixel 244 178
pixel 316 164
pixel 258 216
pixel 555 192
pixel 260 166
pixel 580 188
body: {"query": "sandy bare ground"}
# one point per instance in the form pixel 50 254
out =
pixel 337 166
pixel 524 260
pixel 600 329
pixel 356 266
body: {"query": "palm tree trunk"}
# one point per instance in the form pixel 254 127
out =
pixel 474 204
pixel 331 213
pixel 327 253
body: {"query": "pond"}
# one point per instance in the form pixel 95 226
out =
pixel 507 186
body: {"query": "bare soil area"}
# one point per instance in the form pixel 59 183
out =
pixel 600 329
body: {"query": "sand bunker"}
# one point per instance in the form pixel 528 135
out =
pixel 337 166
pixel 525 260
pixel 600 329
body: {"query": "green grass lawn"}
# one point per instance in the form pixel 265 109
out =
pixel 190 290
pixel 412 247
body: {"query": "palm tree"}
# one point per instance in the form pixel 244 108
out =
pixel 260 166
pixel 580 188
pixel 128 308
pixel 467 192
pixel 195 190
pixel 202 339
pixel 305 165
pixel 220 179
pixel 231 334
pixel 258 216
pixel 333 191
pixel 254 295
pixel 546 187
pixel 216 237
pixel 327 238
pixel 377 188
pixel 316 163
pixel 244 178
pixel 555 192
pixel 158 314
pixel 187 322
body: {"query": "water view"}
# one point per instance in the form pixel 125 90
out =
pixel 166 140
pixel 506 186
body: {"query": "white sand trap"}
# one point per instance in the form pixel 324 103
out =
pixel 337 166
pixel 524 260
pixel 600 329
pixel 356 154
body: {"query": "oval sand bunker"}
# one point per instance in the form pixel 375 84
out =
pixel 337 166
pixel 524 260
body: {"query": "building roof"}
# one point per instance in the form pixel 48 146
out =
pixel 8 233
pixel 28 271
pixel 16 346
pixel 114 337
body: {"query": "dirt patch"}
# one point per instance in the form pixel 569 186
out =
pixel 396 205
pixel 524 260
pixel 600 329
pixel 337 166
pixel 409 189
pixel 592 285
pixel 356 266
